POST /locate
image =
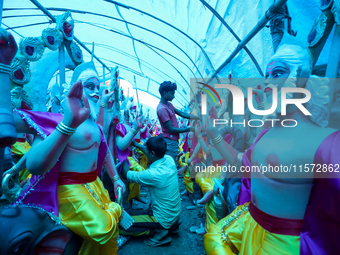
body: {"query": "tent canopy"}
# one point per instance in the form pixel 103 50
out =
pixel 164 40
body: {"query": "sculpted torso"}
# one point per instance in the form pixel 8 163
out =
pixel 81 152
pixel 285 146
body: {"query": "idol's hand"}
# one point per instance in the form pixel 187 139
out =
pixel 8 47
pixel 119 183
pixel 126 220
pixel 107 98
pixel 198 128
pixel 259 93
pixel 74 113
pixel 212 131
pixel 136 124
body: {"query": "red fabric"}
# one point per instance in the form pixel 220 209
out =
pixel 21 140
pixel 274 224
pixel 137 140
pixel 68 178
pixel 166 113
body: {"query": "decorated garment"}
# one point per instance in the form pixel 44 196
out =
pixel 87 210
pixel 239 233
pixel 126 155
pixel 74 202
pixel 319 228
pixel 206 182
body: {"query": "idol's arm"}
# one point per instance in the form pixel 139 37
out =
pixel 195 152
pixel 112 172
pixel 105 111
pixel 142 130
pixel 44 154
pixel 202 142
pixel 124 142
pixel 228 153
pixel 21 126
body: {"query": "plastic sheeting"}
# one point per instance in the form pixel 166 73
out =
pixel 158 40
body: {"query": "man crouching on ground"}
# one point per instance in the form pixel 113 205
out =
pixel 162 182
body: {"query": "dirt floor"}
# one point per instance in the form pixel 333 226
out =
pixel 184 242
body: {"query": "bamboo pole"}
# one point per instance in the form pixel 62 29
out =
pixel 263 21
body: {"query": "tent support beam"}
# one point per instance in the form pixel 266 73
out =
pixel 217 15
pixel 48 14
pixel 263 21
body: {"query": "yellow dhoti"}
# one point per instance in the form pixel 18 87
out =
pixel 239 233
pixel 20 149
pixel 206 183
pixel 86 209
pixel 134 188
pixel 143 159
pixel 189 185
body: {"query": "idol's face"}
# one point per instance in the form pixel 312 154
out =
pixel 91 89
pixel 276 74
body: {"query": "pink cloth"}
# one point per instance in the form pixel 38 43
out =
pixel 122 155
pixel 43 191
pixel 144 135
pixel 166 113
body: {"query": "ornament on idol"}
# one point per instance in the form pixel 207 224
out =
pixel 32 48
pixel 20 99
pixel 76 53
pixel 317 30
pixel 20 70
pixel 65 24
pixel 52 38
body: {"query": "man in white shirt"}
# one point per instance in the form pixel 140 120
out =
pixel 162 182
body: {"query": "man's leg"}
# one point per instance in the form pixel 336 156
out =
pixel 144 223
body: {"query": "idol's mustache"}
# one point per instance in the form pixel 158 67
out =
pixel 94 94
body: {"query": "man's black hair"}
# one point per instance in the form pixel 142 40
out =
pixel 156 144
pixel 167 86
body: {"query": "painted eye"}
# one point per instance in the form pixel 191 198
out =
pixel 277 74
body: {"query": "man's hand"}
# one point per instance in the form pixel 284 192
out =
pixel 74 113
pixel 8 47
pixel 126 220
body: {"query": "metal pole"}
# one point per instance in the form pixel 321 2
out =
pixel 332 66
pixel 268 16
pixel 92 51
pixel 136 90
pixel 1 6
pixel 61 67
pixel 104 75
pixel 48 14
